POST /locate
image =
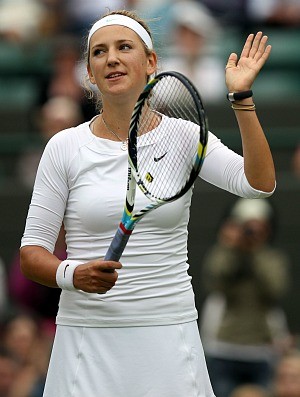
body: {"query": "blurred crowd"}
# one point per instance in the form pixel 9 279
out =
pixel 26 19
pixel 244 327
pixel 245 332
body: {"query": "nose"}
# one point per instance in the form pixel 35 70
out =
pixel 112 58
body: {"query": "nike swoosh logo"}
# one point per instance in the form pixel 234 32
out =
pixel 65 270
pixel 156 159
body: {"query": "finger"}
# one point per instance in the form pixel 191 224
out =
pixel 96 286
pixel 261 48
pixel 110 267
pixel 107 285
pixel 102 265
pixel 267 52
pixel 247 47
pixel 263 58
pixel 107 276
pixel 232 61
pixel 255 44
pixel 101 291
pixel 102 284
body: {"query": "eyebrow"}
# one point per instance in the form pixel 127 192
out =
pixel 117 42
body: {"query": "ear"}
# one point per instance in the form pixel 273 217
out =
pixel 151 63
pixel 90 73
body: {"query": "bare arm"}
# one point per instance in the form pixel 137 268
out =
pixel 40 265
pixel 240 75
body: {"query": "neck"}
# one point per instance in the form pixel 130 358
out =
pixel 109 129
pixel 118 126
pixel 117 120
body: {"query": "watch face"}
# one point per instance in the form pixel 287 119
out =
pixel 230 96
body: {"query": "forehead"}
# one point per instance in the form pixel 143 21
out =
pixel 113 33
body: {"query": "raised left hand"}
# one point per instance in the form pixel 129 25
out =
pixel 241 72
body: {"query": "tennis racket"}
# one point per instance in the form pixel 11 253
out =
pixel 166 147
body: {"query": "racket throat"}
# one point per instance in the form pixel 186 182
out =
pixel 126 230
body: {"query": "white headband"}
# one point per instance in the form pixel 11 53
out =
pixel 122 20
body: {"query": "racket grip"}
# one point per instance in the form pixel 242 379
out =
pixel 117 245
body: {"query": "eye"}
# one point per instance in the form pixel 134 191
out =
pixel 98 51
pixel 125 46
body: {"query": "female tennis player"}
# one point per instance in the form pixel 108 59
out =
pixel 130 329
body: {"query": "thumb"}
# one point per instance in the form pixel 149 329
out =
pixel 232 61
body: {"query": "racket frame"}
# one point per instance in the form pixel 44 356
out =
pixel 129 220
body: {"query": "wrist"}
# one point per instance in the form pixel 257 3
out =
pixel 65 274
pixel 246 101
pixel 239 96
pixel 243 106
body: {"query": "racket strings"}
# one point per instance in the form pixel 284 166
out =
pixel 167 153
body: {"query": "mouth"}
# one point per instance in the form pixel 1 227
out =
pixel 114 75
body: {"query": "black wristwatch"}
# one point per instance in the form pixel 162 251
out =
pixel 236 96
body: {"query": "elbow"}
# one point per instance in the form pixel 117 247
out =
pixel 24 262
pixel 270 189
pixel 39 265
pixel 267 188
pixel 261 177
pixel 266 185
pixel 28 260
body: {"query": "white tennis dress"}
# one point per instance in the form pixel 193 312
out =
pixel 140 339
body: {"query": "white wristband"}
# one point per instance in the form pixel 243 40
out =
pixel 64 274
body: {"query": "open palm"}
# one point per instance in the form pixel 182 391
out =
pixel 241 72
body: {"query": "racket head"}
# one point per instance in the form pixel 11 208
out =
pixel 167 137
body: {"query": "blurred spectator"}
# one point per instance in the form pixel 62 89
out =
pixel 66 75
pixel 246 279
pixel 134 5
pixel 9 368
pixel 81 14
pixel 193 33
pixel 23 339
pixel 20 336
pixel 230 13
pixel 281 13
pixel 247 15
pixel 250 391
pixel 58 113
pixel 63 81
pixel 21 20
pixel 287 376
pixel 159 19
pixel 53 23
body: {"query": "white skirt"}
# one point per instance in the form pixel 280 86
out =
pixel 159 361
